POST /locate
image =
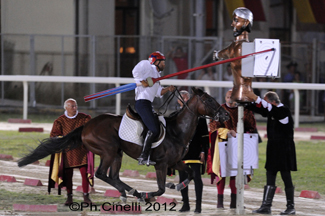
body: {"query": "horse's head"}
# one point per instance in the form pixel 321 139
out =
pixel 210 107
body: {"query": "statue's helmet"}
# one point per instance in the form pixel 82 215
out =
pixel 244 13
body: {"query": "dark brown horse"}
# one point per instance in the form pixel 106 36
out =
pixel 100 135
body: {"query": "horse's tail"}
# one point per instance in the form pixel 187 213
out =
pixel 53 145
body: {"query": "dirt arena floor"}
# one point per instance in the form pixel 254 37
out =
pixel 252 196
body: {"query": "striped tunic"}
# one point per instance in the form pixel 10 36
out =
pixel 62 126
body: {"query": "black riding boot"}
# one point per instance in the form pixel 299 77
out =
pixel 220 201
pixel 142 160
pixel 267 200
pixel 290 193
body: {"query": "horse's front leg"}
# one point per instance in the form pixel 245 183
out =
pixel 161 173
pixel 180 166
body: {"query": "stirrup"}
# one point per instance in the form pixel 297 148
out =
pixel 147 162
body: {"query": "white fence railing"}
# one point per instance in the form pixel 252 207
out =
pixel 118 81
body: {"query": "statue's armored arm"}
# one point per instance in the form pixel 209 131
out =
pixel 221 54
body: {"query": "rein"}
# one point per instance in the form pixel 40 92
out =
pixel 216 117
pixel 171 96
pixel 169 99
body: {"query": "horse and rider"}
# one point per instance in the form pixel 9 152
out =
pixel 100 135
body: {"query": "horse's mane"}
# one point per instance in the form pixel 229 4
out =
pixel 174 114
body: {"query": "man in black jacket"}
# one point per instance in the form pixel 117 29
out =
pixel 280 152
pixel 195 158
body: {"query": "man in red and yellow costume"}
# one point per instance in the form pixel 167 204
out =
pixel 62 164
pixel 218 133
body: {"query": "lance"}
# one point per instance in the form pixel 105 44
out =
pixel 151 81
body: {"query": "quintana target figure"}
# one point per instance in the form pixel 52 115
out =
pixel 242 22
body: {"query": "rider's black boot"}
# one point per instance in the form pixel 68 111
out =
pixel 143 159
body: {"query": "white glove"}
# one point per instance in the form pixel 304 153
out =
pixel 215 55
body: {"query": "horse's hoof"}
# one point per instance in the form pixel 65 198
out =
pixel 179 187
pixel 182 185
pixel 123 199
pixel 145 195
pixel 141 200
pixel 131 192
pixel 170 185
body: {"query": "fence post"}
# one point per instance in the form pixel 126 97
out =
pixel 62 68
pixel 313 77
pixel 297 108
pixel 118 58
pixel 25 105
pixel 32 69
pixel 93 68
pixel 2 67
pixel 118 102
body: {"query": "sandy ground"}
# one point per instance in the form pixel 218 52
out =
pixel 252 196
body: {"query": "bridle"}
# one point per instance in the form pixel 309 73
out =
pixel 171 96
pixel 216 117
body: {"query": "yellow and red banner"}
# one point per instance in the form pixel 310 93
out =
pixel 310 11
pixel 253 5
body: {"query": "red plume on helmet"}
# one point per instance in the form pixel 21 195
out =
pixel 156 56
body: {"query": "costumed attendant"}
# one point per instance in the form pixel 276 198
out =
pixel 144 96
pixel 280 149
pixel 195 158
pixel 62 164
pixel 218 133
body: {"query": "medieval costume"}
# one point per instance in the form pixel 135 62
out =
pixel 62 164
pixel 199 144
pixel 219 134
pixel 280 151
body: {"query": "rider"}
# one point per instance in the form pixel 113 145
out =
pixel 144 96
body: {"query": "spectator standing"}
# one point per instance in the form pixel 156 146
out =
pixel 289 77
pixel 210 74
pixel 180 59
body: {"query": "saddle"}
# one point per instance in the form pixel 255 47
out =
pixel 132 114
